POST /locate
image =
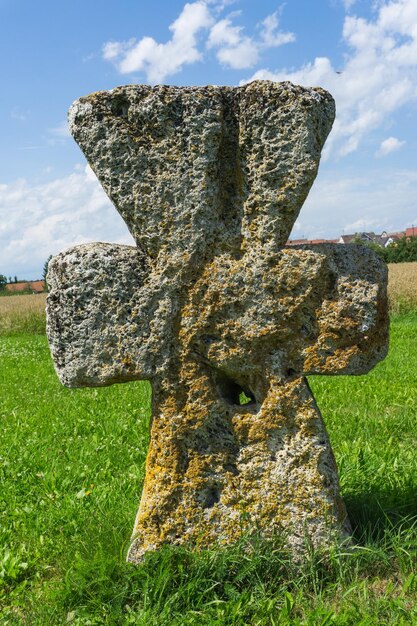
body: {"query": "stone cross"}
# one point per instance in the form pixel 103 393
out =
pixel 211 308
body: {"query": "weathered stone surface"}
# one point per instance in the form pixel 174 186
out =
pixel 210 305
pixel 98 332
pixel 191 167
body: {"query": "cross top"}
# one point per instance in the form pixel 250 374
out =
pixel 210 308
pixel 187 167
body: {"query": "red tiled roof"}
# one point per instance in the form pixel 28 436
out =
pixel 296 242
pixel 34 285
pixel 397 235
pixel 37 285
pixel 17 287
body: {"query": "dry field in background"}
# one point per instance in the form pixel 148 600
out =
pixel 28 303
pixel 26 313
pixel 402 286
pixel 22 313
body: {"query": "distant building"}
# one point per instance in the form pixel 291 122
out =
pixel 296 242
pixel 31 286
pixel 384 239
pixel 366 237
pixel 389 238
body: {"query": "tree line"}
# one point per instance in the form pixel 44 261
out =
pixel 403 250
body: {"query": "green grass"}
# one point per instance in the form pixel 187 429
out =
pixel 71 471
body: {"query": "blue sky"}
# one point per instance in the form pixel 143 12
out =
pixel 364 52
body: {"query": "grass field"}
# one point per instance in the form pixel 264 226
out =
pixel 71 471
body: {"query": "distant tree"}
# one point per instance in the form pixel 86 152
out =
pixel 45 272
pixel 15 279
pixel 10 279
pixel 402 251
pixel 3 282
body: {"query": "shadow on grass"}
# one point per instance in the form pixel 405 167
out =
pixel 376 513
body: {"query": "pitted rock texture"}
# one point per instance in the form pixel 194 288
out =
pixel 223 320
pixel 188 167
pixel 96 321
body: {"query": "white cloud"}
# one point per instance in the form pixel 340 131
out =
pixel 159 60
pixel 242 56
pixel 234 48
pixel 45 219
pixel 377 78
pixel 112 50
pixel 223 33
pixel 89 174
pixel 391 144
pixel 239 51
pixel 270 34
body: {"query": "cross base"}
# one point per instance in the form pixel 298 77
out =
pixel 217 469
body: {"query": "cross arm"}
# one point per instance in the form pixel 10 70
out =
pixel 97 329
pixel 352 321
